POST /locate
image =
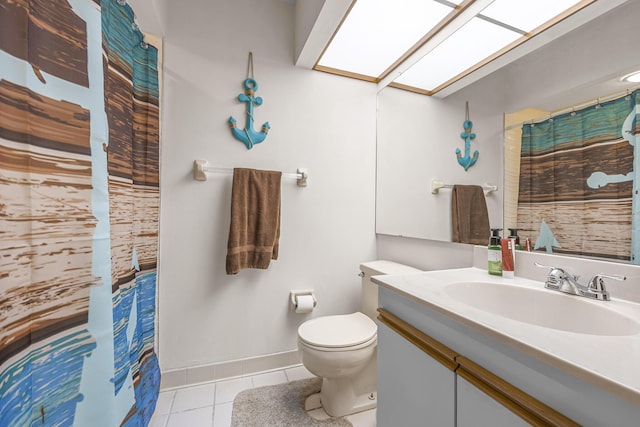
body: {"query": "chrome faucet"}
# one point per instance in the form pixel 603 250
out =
pixel 559 280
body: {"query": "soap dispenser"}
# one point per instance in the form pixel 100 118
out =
pixel 494 253
pixel 514 235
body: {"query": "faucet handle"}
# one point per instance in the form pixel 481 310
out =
pixel 555 277
pixel 596 284
pixel 550 267
pixel 553 271
pixel 537 264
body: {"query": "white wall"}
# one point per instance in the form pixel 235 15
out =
pixel 322 122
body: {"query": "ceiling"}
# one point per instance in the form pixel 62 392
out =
pixel 427 25
pixel 435 47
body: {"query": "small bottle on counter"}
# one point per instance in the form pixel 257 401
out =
pixel 494 253
pixel 514 235
pixel 508 257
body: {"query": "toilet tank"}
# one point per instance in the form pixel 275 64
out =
pixel 370 289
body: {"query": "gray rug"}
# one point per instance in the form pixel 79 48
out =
pixel 279 405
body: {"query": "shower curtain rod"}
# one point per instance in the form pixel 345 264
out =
pixel 556 113
pixel 200 167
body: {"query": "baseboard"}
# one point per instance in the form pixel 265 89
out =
pixel 229 369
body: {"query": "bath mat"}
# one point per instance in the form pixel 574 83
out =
pixel 279 405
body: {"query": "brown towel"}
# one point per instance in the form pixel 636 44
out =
pixel 255 219
pixel 469 215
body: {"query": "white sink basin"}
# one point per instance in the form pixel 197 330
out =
pixel 545 308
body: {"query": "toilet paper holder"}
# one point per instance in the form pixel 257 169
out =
pixel 297 293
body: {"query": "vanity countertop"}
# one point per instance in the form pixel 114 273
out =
pixel 609 361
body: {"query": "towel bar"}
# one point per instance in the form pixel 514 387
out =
pixel 436 185
pixel 201 167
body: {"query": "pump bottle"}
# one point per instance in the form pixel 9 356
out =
pixel 494 253
pixel 514 235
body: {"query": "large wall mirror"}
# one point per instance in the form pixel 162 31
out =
pixel 417 139
pixel 417 135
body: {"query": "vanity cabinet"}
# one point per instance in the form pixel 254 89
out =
pixel 418 390
pixel 477 409
pixel 505 368
pixel 422 382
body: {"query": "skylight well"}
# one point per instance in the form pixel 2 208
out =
pixel 426 45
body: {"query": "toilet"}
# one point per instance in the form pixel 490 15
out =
pixel 342 349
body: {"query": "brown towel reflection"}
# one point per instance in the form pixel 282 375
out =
pixel 469 215
pixel 255 219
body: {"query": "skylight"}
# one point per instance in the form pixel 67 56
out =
pixel 526 15
pixel 378 32
pixel 381 39
pixel 472 43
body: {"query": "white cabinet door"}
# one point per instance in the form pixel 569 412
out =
pixel 413 388
pixel 477 409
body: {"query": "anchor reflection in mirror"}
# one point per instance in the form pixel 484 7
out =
pixel 467 160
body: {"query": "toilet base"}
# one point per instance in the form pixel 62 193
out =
pixel 362 403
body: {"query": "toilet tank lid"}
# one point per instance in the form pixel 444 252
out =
pixel 374 268
pixel 343 330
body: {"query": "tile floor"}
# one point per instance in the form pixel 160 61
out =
pixel 210 404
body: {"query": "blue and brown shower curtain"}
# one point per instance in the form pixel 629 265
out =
pixel 580 174
pixel 79 199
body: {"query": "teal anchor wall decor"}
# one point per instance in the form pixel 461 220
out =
pixel 467 161
pixel 247 135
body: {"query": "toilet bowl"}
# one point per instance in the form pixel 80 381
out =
pixel 342 349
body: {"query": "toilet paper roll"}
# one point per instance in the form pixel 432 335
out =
pixel 304 304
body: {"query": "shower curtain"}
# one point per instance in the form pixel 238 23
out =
pixel 79 199
pixel 580 179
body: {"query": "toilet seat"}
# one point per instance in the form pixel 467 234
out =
pixel 372 341
pixel 339 332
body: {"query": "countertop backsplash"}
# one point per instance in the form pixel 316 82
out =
pixel 585 268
